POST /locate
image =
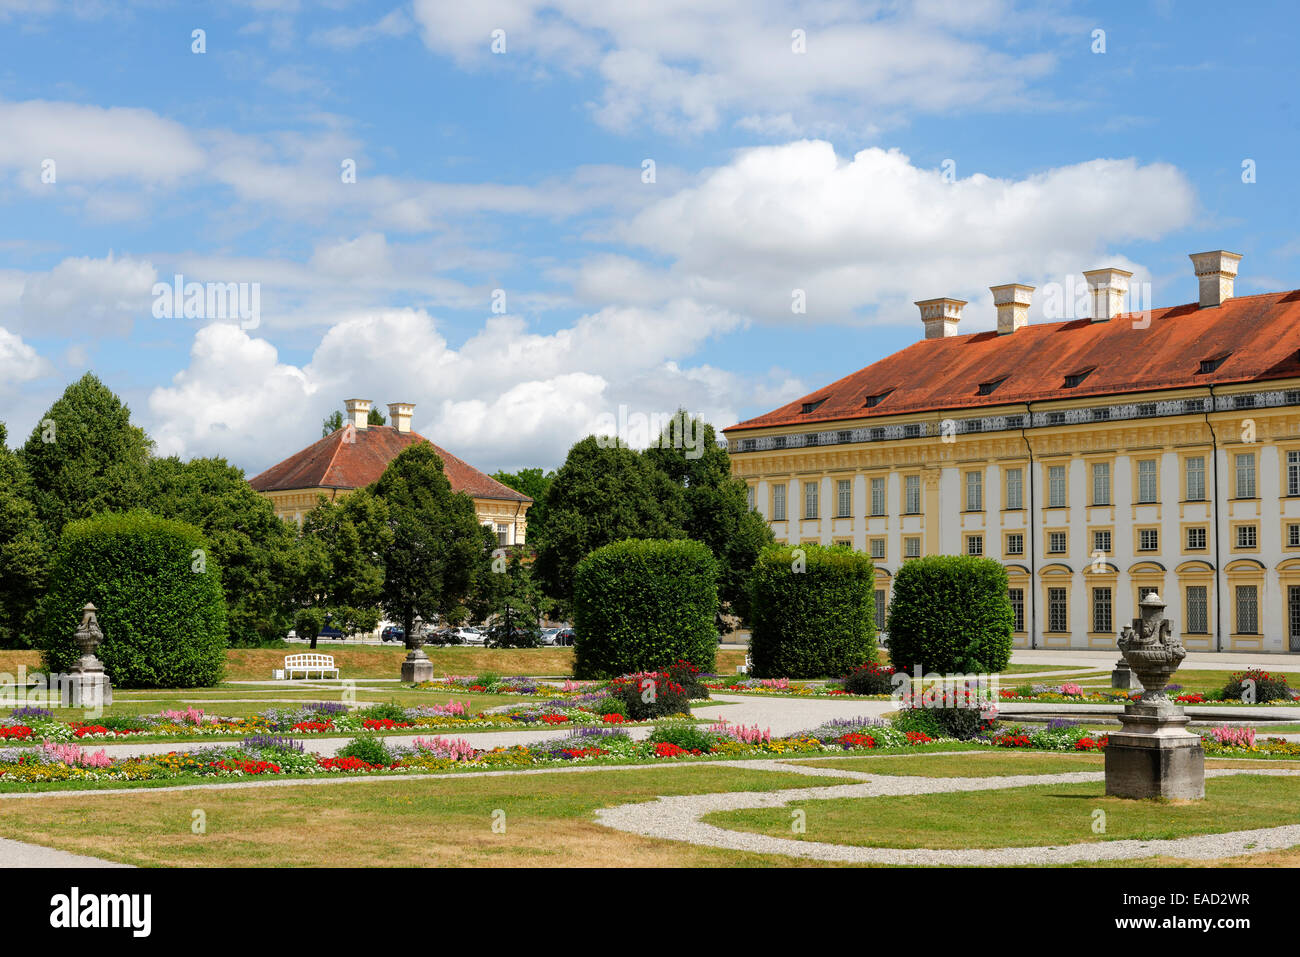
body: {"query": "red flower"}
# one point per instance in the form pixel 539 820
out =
pixel 613 719
pixel 314 726
pixel 555 718
pixel 855 740
pixel 17 731
pixel 918 737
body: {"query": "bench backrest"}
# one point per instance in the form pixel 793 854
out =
pixel 308 661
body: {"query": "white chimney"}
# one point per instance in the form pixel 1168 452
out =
pixel 1012 303
pixel 940 316
pixel 358 412
pixel 399 414
pixel 1216 270
pixel 1109 290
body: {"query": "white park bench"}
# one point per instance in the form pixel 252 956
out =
pixel 309 663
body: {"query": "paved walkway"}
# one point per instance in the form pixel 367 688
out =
pixel 19 854
pixel 1195 660
pixel 679 819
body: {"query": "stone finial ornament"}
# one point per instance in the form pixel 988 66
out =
pixel 1152 650
pixel 88 637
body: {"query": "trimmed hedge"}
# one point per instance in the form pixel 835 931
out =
pixel 158 598
pixel 639 605
pixel 813 613
pixel 950 614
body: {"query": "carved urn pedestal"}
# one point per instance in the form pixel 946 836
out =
pixel 87 685
pixel 416 666
pixel 1154 756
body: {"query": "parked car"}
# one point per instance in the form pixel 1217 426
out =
pixel 564 638
pixel 499 637
pixel 469 636
pixel 393 633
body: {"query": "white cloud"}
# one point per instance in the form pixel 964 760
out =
pixel 506 398
pixel 81 294
pixel 19 362
pixel 680 65
pixel 869 235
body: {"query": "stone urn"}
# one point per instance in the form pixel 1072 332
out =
pixel 86 685
pixel 88 637
pixel 416 666
pixel 1154 756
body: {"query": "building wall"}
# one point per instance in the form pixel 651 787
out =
pixel 508 519
pixel 945 525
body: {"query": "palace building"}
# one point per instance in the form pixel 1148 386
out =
pixel 1097 459
pixel 357 454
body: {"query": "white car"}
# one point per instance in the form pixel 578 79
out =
pixel 468 636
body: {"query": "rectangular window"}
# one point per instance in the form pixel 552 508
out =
pixel 880 609
pixel 1245 462
pixel 1149 540
pixel 778 503
pixel 1015 544
pixel 1101 483
pixel 877 496
pixel 1195 466
pixel 810 499
pixel 749 497
pixel 1293 536
pixel 1147 481
pixel 912 547
pixel 877 546
pixel 1017 596
pixel 1198 612
pixel 1246 536
pixel 975 545
pixel 1101 610
pixel 1015 488
pixel 1195 539
pixel 843 498
pixel 1247 610
pixel 1293 473
pixel 1056 543
pixel 1101 542
pixel 1056 486
pixel 503 536
pixel 974 491
pixel 1057 619
pixel 912 490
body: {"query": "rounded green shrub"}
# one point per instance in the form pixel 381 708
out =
pixel 812 612
pixel 158 598
pixel 369 749
pixel 950 614
pixel 643 604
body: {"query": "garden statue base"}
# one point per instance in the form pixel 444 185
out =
pixel 1122 676
pixel 416 667
pixel 91 690
pixel 1155 756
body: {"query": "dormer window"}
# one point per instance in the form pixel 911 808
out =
pixel 1074 378
pixel 986 388
pixel 1209 365
pixel 811 406
pixel 875 400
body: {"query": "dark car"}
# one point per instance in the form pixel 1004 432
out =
pixel 565 637
pixel 393 633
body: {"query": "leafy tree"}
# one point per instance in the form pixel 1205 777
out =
pixel 599 496
pixel 507 595
pixel 375 417
pixel 534 483
pixel 253 548
pixel 85 456
pixel 24 552
pixel 337 565
pixel 436 539
pixel 715 504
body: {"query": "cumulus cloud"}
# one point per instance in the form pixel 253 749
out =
pixel 81 294
pixel 19 361
pixel 686 65
pixel 867 236
pixel 506 397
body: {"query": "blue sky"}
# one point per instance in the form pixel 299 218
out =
pixel 909 151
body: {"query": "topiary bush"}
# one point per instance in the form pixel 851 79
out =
pixel 642 604
pixel 369 749
pixel 962 723
pixel 950 614
pixel 158 598
pixel 812 612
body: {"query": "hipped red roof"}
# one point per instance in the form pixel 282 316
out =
pixel 335 463
pixel 1260 335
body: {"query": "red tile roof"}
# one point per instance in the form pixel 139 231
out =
pixel 334 463
pixel 1260 336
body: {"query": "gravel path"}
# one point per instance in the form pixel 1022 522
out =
pixel 19 854
pixel 678 819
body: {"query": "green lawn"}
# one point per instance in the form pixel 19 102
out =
pixel 390 823
pixel 980 764
pixel 1041 815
